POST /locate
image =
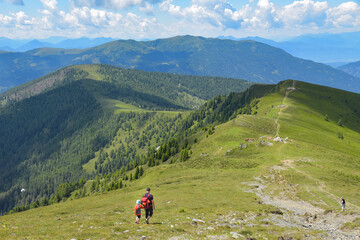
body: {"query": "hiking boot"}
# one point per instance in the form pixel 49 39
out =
pixel 147 221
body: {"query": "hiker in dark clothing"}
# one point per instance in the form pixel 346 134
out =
pixel 343 203
pixel 149 205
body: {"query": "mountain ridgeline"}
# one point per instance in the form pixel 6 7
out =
pixel 250 60
pixel 89 120
pixel 179 91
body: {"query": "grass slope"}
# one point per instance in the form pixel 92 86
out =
pixel 261 191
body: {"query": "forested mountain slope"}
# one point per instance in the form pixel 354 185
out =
pixel 232 177
pixel 248 60
pixel 184 90
pixel 54 129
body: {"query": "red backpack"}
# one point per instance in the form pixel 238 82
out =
pixel 145 201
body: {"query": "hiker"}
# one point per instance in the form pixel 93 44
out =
pixel 137 211
pixel 149 204
pixel 343 204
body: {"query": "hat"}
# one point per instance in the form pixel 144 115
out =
pixel 138 201
pixel 148 189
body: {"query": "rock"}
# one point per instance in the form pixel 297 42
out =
pixel 126 231
pixel 217 237
pixel 198 220
pixel 285 238
pixel 235 235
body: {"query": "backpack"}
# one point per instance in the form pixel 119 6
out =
pixel 145 201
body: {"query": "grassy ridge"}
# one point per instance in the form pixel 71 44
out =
pixel 185 91
pixel 316 167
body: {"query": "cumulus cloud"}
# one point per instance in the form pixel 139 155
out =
pixel 16 20
pixel 49 4
pixel 302 13
pixel 88 17
pixel 346 14
pixel 147 8
pixel 264 14
pixel 16 2
pixel 198 17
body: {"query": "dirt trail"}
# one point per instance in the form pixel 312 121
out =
pixel 301 214
pixel 322 185
pixel 283 106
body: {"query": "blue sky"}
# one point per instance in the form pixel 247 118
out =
pixel 149 19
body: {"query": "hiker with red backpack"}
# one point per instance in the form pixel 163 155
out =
pixel 149 204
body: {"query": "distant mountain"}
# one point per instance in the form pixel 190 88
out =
pixel 7 49
pixel 351 68
pixel 82 42
pixel 32 45
pixel 54 42
pixel 325 48
pixel 12 43
pixel 249 60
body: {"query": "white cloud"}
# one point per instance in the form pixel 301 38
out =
pixel 147 8
pixel 16 20
pixel 302 13
pixel 264 15
pixel 141 18
pixel 49 4
pixel 346 14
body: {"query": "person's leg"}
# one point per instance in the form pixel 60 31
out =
pixel 150 213
pixel 147 213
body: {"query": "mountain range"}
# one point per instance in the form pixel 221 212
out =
pixel 23 45
pixel 250 60
pixel 334 49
